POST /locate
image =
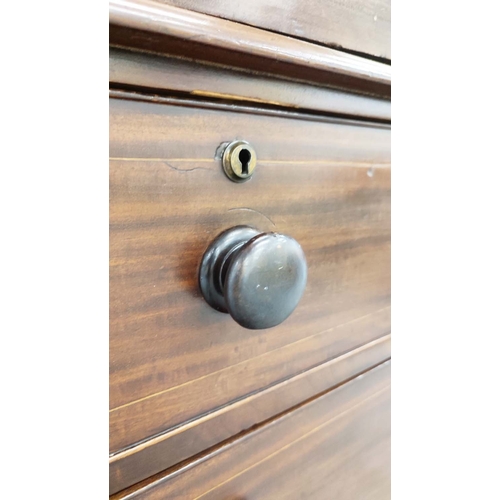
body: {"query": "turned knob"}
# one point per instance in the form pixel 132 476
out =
pixel 258 278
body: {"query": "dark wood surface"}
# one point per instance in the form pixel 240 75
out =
pixel 335 446
pixel 200 407
pixel 327 184
pixel 155 27
pixel 358 25
pixel 161 74
pixel 158 454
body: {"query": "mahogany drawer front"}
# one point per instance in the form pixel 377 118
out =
pixel 324 182
pixel 335 446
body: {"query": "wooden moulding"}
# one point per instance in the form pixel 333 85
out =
pixel 160 75
pixel 166 450
pixel 155 27
pixel 358 25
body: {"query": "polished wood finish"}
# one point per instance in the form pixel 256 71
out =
pixel 357 25
pixel 160 74
pixel 335 446
pixel 155 27
pixel 327 184
pixel 155 455
pixel 199 406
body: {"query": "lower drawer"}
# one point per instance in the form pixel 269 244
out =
pixel 335 446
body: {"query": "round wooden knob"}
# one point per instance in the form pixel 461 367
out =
pixel 258 278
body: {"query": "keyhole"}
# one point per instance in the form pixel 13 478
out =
pixel 244 158
pixel 238 160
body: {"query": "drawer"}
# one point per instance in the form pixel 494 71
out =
pixel 174 361
pixel 335 446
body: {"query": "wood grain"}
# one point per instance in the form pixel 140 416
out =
pixel 155 27
pixel 157 74
pixel 336 446
pixel 158 454
pixel 173 358
pixel 358 25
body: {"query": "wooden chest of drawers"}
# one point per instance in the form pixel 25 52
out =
pixel 200 406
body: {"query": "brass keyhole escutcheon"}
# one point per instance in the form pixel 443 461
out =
pixel 239 160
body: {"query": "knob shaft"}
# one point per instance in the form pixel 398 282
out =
pixel 258 278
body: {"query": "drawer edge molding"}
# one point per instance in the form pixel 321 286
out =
pixel 159 28
pixel 140 96
pixel 157 454
pixel 203 81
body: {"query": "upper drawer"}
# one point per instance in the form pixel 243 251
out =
pixel 325 183
pixel 153 26
pixel 359 25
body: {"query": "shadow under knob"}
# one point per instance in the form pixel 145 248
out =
pixel 258 278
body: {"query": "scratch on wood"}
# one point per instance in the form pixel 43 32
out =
pixel 207 160
pixel 253 210
pixel 184 169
